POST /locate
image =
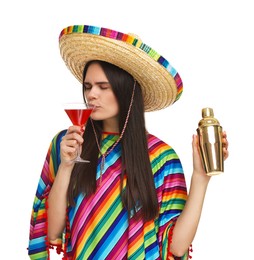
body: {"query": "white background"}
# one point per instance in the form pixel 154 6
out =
pixel 210 43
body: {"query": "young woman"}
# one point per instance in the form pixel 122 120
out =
pixel 130 201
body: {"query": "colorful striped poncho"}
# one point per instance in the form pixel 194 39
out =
pixel 98 227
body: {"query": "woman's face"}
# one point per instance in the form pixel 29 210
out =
pixel 99 94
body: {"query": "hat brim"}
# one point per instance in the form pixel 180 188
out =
pixel 161 87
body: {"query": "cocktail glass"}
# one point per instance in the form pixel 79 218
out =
pixel 78 114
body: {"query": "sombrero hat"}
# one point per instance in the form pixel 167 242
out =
pixel 161 84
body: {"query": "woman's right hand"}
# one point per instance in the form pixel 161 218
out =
pixel 70 144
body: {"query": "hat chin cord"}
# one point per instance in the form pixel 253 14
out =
pixel 120 137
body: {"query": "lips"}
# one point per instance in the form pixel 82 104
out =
pixel 95 107
pixel 92 105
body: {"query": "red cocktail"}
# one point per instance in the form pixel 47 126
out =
pixel 79 116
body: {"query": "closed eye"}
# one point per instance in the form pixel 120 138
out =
pixel 101 85
pixel 105 85
pixel 87 86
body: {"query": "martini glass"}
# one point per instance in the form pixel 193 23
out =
pixel 78 114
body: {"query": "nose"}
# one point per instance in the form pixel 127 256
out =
pixel 92 93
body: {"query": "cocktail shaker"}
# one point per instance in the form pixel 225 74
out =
pixel 210 142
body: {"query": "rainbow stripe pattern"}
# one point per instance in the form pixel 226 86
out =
pixel 130 39
pixel 99 226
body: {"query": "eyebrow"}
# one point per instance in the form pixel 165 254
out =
pixel 96 83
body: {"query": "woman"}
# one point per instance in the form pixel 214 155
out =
pixel 130 201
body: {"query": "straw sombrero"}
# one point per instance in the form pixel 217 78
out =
pixel 161 84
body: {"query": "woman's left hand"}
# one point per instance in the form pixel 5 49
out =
pixel 197 160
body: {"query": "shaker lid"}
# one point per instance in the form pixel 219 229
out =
pixel 208 118
pixel 207 112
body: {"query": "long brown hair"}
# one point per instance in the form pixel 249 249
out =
pixel 140 188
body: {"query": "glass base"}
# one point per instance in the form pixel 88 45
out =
pixel 80 160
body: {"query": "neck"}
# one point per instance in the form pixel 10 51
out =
pixel 111 125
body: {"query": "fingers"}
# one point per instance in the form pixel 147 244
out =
pixel 75 129
pixel 70 143
pixel 224 140
pixel 225 145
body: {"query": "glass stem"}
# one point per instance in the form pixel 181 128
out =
pixel 79 150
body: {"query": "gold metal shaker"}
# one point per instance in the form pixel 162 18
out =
pixel 210 142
